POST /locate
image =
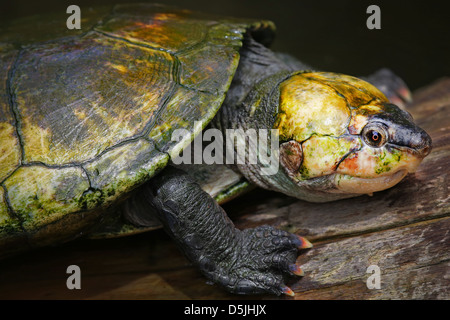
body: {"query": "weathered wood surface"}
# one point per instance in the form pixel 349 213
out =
pixel 404 231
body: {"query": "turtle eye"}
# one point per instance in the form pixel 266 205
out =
pixel 375 135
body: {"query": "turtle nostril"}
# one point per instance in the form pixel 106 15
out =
pixel 426 146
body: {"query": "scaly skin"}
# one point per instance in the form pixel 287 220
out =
pixel 251 261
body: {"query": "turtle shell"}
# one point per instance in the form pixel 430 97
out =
pixel 86 117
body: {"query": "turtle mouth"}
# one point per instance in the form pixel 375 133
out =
pixel 350 184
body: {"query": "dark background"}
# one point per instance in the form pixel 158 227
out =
pixel 414 40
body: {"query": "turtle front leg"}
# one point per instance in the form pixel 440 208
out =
pixel 251 261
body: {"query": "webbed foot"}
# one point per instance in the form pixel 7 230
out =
pixel 250 261
pixel 261 262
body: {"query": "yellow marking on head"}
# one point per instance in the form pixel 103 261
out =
pixel 361 115
pixel 308 106
pixel 357 92
pixel 321 154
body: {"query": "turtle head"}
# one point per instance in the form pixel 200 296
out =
pixel 340 136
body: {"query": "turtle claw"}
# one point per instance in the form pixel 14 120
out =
pixel 303 243
pixel 262 259
pixel 287 291
pixel 296 270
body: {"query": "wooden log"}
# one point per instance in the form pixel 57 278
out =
pixel 403 230
pixel 413 261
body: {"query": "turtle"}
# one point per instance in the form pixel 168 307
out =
pixel 97 125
